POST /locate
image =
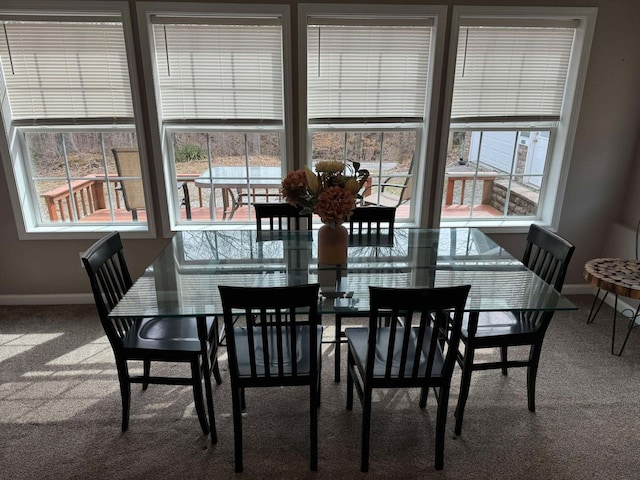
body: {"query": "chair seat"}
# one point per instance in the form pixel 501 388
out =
pixel 302 341
pixel 167 334
pixel 498 325
pixel 358 341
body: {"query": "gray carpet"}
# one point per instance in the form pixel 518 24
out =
pixel 60 414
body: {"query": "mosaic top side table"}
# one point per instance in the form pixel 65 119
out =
pixel 619 276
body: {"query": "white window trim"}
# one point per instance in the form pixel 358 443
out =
pixel 158 133
pixel 421 204
pixel 561 150
pixel 18 187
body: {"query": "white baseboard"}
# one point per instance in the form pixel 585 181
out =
pixel 47 299
pixel 578 289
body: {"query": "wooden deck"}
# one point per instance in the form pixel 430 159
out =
pixel 202 214
pixel 463 211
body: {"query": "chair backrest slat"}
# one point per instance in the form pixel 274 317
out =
pixel 419 348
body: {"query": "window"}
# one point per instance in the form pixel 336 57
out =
pixel 67 102
pixel 220 92
pixel 514 86
pixel 368 94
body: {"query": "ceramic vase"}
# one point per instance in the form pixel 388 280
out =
pixel 333 241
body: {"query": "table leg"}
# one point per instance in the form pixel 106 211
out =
pixel 204 347
pixel 632 322
pixel 212 204
pixel 592 314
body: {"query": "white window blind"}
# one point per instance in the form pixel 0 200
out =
pixel 220 72
pixel 70 70
pixel 511 71
pixel 367 72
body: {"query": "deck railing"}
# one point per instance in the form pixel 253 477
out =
pixel 461 178
pixel 89 196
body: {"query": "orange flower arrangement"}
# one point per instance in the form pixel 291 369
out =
pixel 330 193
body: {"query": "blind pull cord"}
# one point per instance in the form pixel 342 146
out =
pixel 166 49
pixel 6 37
pixel 464 58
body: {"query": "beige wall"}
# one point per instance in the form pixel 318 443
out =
pixel 601 190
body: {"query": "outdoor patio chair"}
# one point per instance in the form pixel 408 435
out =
pixel 279 345
pixel 407 354
pixel 394 191
pixel 128 166
pixel 548 255
pixel 150 339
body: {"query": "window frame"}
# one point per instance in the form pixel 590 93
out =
pixel 560 149
pixel 159 130
pixel 14 155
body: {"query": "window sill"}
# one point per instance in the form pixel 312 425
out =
pixel 82 232
pixel 493 226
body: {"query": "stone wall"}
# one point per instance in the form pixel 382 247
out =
pixel 519 203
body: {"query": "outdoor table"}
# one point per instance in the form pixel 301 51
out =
pixel 228 179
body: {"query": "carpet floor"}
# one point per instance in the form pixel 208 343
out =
pixel 60 414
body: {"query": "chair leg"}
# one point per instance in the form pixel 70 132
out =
pixel 441 421
pixel 125 391
pixel 319 381
pixel 532 373
pixel 366 429
pixel 236 398
pixel 503 359
pixel 350 365
pixel 465 384
pixel 215 369
pixel 337 352
pixel 313 426
pixel 424 393
pixel 197 396
pixel 146 372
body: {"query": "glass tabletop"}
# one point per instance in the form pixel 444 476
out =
pixel 184 279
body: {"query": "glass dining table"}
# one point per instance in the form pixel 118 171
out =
pixel 183 280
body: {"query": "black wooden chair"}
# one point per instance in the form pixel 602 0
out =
pixel 368 226
pixel 548 255
pixel 280 217
pixel 407 354
pixel 279 345
pixel 149 339
pixel 371 226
